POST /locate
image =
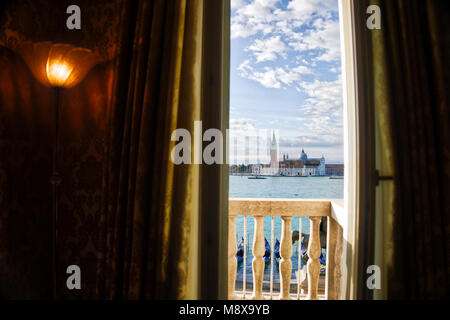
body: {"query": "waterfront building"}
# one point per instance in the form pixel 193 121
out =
pixel 301 167
pixel 334 169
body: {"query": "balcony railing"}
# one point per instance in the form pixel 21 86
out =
pixel 287 209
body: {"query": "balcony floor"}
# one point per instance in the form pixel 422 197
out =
pixel 275 296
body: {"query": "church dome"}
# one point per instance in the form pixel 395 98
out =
pixel 304 156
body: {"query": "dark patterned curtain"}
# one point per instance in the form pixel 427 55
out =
pixel 419 58
pixel 410 76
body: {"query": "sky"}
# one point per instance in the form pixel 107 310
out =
pixel 286 75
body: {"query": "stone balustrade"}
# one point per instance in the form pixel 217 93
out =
pixel 286 209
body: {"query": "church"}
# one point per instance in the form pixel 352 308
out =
pixel 301 167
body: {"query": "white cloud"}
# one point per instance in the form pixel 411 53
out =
pixel 259 9
pixel 236 4
pixel 321 113
pixel 290 43
pixel 292 75
pixel 239 30
pixel 324 97
pixel 287 77
pixel 247 142
pixel 303 70
pixel 298 9
pixel 268 78
pixel 252 18
pixel 335 70
pixel 325 37
pixel 273 77
pixel 304 31
pixel 242 125
pixel 268 49
pixel 264 15
pixel 307 141
pixel 245 66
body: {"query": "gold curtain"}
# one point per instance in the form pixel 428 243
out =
pixel 154 208
pixel 384 193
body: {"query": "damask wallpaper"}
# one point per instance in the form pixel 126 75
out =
pixel 44 20
pixel 26 133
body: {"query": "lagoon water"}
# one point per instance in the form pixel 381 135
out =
pixel 286 187
pixel 279 187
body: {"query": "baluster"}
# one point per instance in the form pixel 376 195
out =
pixel 244 283
pixel 299 244
pixel 329 273
pixel 258 260
pixel 314 250
pixel 334 259
pixel 338 262
pixel 286 253
pixel 272 259
pixel 232 262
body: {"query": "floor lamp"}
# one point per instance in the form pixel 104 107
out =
pixel 59 66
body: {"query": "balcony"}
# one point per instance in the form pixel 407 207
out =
pixel 309 285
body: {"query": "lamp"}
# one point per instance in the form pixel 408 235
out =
pixel 58 66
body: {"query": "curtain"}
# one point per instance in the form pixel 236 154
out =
pixel 151 205
pixel 410 72
pixel 384 192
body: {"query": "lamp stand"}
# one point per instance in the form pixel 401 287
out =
pixel 55 181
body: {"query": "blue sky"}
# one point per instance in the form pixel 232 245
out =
pixel 285 74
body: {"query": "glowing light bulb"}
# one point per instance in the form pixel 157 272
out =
pixel 58 73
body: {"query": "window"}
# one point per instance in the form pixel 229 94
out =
pixel 289 89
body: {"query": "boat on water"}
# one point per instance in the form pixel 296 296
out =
pixel 336 177
pixel 322 259
pixel 240 251
pixel 267 252
pixel 257 177
pixel 276 251
pixel 303 248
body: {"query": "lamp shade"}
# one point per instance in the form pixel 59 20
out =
pixel 57 65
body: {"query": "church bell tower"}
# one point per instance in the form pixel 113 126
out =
pixel 273 153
